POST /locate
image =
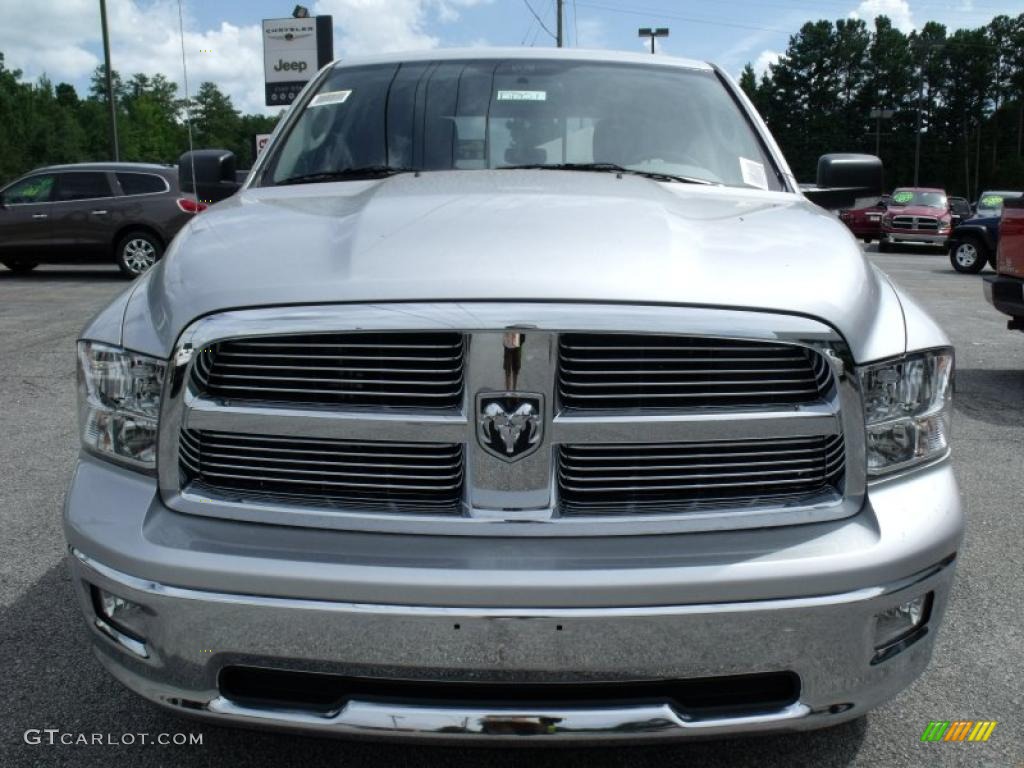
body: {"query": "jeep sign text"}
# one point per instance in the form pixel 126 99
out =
pixel 294 66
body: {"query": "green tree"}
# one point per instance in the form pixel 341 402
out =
pixel 215 121
pixel 150 128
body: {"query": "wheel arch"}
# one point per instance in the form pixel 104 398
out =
pixel 974 232
pixel 138 227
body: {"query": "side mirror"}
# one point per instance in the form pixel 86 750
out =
pixel 215 176
pixel 844 177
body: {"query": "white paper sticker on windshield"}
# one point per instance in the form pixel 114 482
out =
pixel 331 97
pixel 753 173
pixel 522 95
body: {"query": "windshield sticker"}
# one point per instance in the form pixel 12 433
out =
pixel 753 173
pixel 331 97
pixel 522 95
pixel 902 197
pixel 991 201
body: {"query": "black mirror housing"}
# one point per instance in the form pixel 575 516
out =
pixel 215 174
pixel 845 177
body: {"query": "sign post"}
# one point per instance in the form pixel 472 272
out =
pixel 293 51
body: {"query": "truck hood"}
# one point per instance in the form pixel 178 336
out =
pixel 517 235
pixel 916 210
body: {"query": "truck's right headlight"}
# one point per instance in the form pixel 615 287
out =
pixel 907 403
pixel 119 403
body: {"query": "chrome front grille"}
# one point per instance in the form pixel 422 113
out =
pixel 678 477
pixel 387 418
pixel 399 477
pixel 624 371
pixel 406 370
pixel 916 223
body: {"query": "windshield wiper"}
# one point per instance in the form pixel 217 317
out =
pixel 343 174
pixel 609 168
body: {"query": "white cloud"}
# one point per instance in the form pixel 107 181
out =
pixel 144 37
pixel 45 36
pixel 382 26
pixel 764 60
pixel 898 12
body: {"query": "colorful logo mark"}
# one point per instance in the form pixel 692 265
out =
pixel 958 730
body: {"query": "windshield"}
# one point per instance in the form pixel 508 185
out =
pixel 904 197
pixel 483 114
pixel 991 203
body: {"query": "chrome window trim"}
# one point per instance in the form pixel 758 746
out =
pixel 112 196
pixel 166 189
pixel 841 411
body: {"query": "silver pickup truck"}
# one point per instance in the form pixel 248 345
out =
pixel 516 396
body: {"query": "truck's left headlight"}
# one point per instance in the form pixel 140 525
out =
pixel 907 404
pixel 119 403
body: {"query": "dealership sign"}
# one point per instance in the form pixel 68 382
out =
pixel 261 141
pixel 293 51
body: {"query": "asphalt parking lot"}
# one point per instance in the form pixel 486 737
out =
pixel 51 680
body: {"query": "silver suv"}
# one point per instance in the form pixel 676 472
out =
pixel 519 396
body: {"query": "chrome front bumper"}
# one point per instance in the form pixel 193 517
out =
pixel 916 238
pixel 191 636
pixel 795 599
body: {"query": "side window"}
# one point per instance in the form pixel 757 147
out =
pixel 82 185
pixel 141 183
pixel 34 189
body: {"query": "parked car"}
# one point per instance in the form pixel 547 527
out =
pixel 1005 290
pixel 990 203
pixel 916 216
pixel 517 395
pixel 92 212
pixel 973 243
pixel 960 208
pixel 866 222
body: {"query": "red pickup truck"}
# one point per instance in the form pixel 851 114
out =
pixel 866 222
pixel 916 216
pixel 1005 290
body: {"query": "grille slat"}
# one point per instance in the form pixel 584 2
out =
pixel 640 396
pixel 402 477
pixel 404 370
pixel 635 371
pixel 676 477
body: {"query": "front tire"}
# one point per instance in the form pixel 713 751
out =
pixel 968 256
pixel 138 251
pixel 21 267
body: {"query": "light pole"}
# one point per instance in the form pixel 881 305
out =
pixel 933 46
pixel 652 33
pixel 878 115
pixel 110 82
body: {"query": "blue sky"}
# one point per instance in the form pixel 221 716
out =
pixel 222 42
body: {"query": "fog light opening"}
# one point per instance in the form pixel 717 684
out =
pixel 900 626
pixel 118 619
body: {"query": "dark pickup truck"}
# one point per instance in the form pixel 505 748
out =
pixel 973 243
